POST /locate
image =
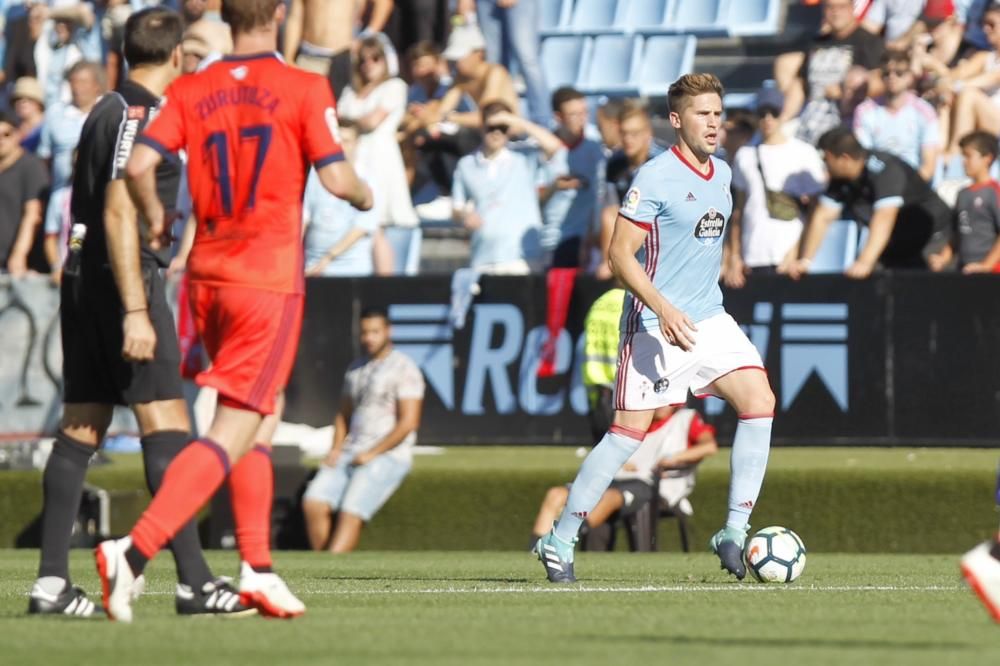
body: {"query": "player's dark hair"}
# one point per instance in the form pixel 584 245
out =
pixel 151 35
pixel 983 143
pixel 494 107
pixel 246 15
pixel 372 311
pixel 689 86
pixel 563 95
pixel 841 141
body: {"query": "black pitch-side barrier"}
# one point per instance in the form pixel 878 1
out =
pixel 900 359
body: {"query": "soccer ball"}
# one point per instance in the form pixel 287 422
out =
pixel 775 555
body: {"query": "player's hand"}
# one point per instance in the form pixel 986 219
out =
pixel 177 266
pixel 364 458
pixel 17 266
pixel 157 221
pixel 859 270
pixel 139 337
pixel 977 267
pixel 795 269
pixel 677 328
pixel 332 457
pixel 734 273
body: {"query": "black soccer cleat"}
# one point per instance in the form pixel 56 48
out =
pixel 217 598
pixel 557 557
pixel 71 602
pixel 727 543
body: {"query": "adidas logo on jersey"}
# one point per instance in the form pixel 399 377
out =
pixel 689 197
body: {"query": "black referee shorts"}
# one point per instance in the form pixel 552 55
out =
pixel 94 371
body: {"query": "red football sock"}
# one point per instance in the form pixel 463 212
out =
pixel 251 490
pixel 189 482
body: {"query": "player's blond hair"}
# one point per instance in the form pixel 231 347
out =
pixel 246 15
pixel 690 86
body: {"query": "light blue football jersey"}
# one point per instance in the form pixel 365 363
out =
pixel 686 214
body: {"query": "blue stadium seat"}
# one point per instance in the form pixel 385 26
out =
pixel 839 248
pixel 554 17
pixel 611 65
pixel 703 17
pixel 562 59
pixel 753 17
pixel 664 59
pixel 405 243
pixel 646 16
pixel 593 17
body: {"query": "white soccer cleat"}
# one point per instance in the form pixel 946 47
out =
pixel 268 594
pixel 119 586
pixel 982 571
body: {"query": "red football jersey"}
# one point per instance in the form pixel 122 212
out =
pixel 250 125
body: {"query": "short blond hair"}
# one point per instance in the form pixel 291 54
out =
pixel 690 86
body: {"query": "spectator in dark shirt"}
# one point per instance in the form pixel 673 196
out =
pixel 19 58
pixel 23 183
pixel 820 86
pixel 906 220
pixel 977 212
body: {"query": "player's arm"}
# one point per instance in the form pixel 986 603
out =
pixel 626 239
pixel 733 268
pixel 340 428
pixel 141 182
pixel 31 217
pixel 407 420
pixel 121 229
pixel 184 245
pixel 340 180
pixel 822 217
pixel 293 29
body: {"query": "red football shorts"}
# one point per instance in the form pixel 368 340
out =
pixel 251 336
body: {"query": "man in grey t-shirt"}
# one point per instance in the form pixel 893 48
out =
pixel 374 433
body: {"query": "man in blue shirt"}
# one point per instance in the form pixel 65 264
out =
pixel 573 179
pixel 676 336
pixel 494 194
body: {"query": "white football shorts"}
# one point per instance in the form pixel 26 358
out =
pixel 653 373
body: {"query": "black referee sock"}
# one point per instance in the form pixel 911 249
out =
pixel 158 450
pixel 62 488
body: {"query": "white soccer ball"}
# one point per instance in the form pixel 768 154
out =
pixel 775 555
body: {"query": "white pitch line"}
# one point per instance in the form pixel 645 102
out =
pixel 644 589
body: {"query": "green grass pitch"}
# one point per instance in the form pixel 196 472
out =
pixel 495 608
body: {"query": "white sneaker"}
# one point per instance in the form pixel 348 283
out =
pixel 438 209
pixel 118 584
pixel 268 594
pixel 982 572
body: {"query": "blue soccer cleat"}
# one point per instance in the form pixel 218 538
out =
pixel 728 545
pixel 556 556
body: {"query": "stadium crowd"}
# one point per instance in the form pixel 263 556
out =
pixel 887 117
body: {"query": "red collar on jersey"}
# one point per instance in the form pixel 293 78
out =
pixel 704 176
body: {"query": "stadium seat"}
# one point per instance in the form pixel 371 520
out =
pixel 642 527
pixel 645 16
pixel 405 243
pixel 610 66
pixel 702 17
pixel 664 59
pixel 562 60
pixel 753 17
pixel 839 248
pixel 554 17
pixel 593 17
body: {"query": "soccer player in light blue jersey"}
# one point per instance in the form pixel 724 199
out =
pixel 667 251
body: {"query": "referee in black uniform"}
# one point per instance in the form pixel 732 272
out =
pixel 118 337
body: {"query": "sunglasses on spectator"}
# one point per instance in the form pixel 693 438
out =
pixel 898 71
pixel 497 128
pixel 765 111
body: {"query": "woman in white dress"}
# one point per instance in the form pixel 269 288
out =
pixel 376 103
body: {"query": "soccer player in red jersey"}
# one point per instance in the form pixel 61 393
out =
pixel 250 125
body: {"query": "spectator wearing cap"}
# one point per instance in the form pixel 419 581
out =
pixel 475 78
pixel 900 122
pixel 29 107
pixel 774 184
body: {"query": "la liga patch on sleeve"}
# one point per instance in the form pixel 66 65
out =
pixel 631 203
